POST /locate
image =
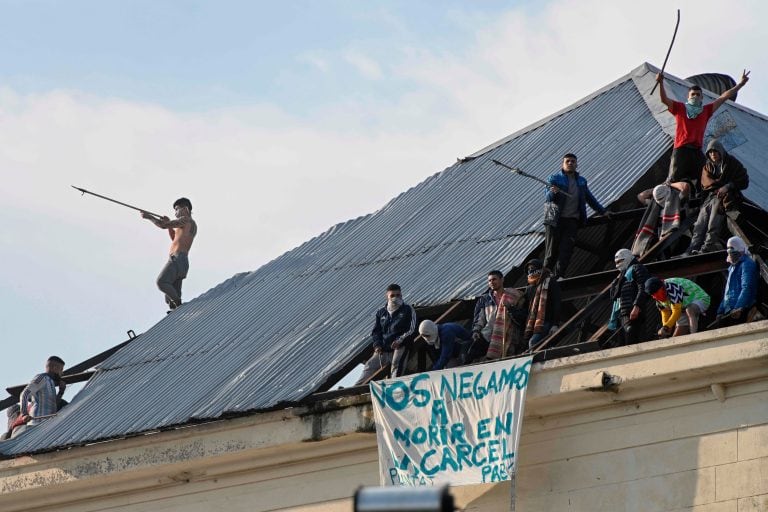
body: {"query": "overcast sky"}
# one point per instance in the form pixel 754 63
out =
pixel 278 120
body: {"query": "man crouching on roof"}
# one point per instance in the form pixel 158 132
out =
pixel 680 302
pixel 446 343
pixel 740 293
pixel 395 324
pixel 39 399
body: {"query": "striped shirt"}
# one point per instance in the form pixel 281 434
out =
pixel 39 397
pixel 681 293
pixel 684 291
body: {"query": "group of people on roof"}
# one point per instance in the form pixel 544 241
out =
pixel 507 321
pixel 681 302
pixel 716 180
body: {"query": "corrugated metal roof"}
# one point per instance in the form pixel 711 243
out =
pixel 273 336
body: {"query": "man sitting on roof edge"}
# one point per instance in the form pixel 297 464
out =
pixel 395 324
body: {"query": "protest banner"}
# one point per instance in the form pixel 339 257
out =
pixel 459 426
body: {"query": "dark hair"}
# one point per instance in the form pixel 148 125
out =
pixel 496 273
pixel 569 155
pixel 652 285
pixel 56 359
pixel 393 288
pixel 183 201
pixel 535 263
pixel 694 88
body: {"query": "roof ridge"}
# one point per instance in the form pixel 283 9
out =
pixel 685 83
pixel 569 108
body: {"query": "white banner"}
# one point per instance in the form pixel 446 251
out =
pixel 459 426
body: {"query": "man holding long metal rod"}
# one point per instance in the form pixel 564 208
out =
pixel 182 231
pixel 565 211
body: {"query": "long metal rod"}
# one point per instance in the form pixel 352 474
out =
pixel 668 52
pixel 82 190
pixel 521 173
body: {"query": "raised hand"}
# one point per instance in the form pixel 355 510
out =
pixel 744 77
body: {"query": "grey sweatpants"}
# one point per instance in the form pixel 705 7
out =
pixel 709 223
pixel 378 361
pixel 169 280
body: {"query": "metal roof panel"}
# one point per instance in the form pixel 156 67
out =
pixel 274 336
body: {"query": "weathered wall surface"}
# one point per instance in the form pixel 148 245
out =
pixel 687 452
pixel 685 428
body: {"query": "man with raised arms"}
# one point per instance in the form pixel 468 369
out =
pixel 691 120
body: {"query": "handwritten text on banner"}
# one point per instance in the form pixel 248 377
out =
pixel 459 426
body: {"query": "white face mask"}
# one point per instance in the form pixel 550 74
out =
pixel 180 212
pixel 660 194
pixel 622 259
pixel 394 303
pixel 736 249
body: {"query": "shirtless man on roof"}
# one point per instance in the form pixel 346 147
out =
pixel 182 231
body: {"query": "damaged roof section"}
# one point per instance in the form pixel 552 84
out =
pixel 271 337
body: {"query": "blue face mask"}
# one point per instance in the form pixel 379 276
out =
pixel 693 107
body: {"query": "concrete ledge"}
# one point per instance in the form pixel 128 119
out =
pixel 263 442
pixel 655 368
pixel 283 441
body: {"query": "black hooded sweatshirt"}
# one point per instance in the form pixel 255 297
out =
pixel 729 172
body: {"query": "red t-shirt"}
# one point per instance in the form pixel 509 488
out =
pixel 690 131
